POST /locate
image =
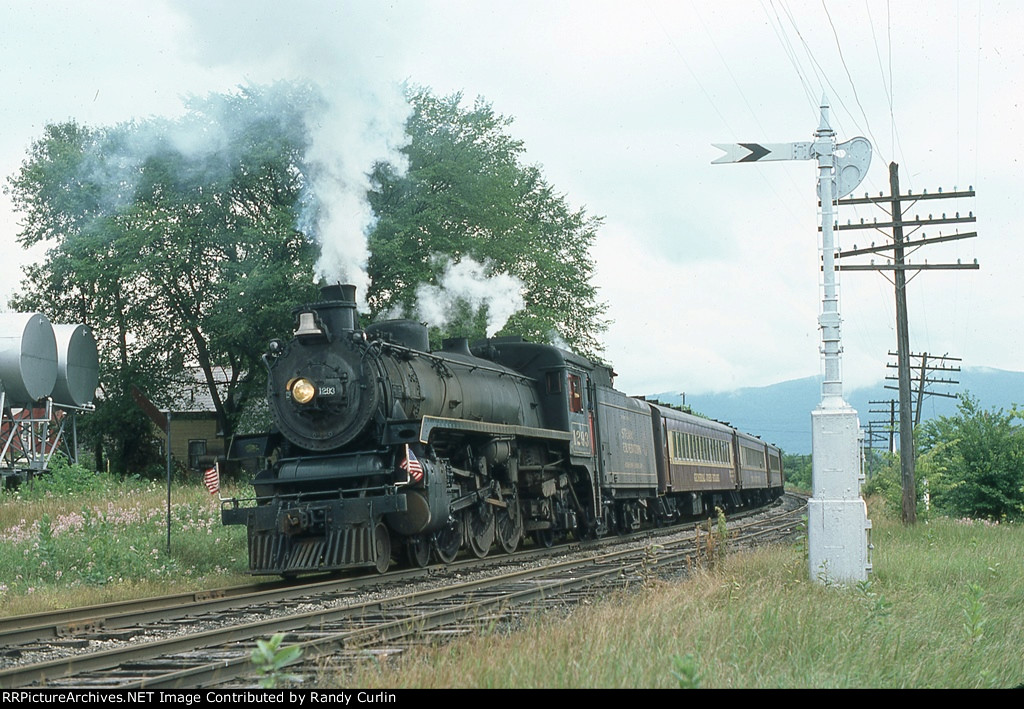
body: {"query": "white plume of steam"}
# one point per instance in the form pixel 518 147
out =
pixel 348 49
pixel 467 281
pixel 347 139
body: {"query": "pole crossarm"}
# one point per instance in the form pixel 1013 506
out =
pixel 908 223
pixel 923 241
pixel 887 199
pixel 930 393
pixel 909 267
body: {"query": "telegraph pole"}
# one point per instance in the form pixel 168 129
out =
pixel 889 428
pixel 899 267
pixel 925 366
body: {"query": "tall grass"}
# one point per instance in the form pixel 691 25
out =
pixel 76 537
pixel 944 608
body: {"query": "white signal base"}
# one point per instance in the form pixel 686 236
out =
pixel 837 520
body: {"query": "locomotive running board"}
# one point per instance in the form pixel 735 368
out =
pixel 434 423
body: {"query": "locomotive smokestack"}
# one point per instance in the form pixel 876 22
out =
pixel 335 313
pixel 337 291
pixel 337 308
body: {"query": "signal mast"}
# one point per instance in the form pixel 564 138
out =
pixel 838 525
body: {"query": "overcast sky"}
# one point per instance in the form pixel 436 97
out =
pixel 709 271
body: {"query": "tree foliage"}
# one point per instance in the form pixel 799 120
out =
pixel 467 194
pixel 175 241
pixel 179 241
pixel 797 469
pixel 974 461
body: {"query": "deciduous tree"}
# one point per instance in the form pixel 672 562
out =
pixel 468 194
pixel 176 241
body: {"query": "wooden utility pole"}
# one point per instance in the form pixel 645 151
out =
pixel 899 266
pixel 888 426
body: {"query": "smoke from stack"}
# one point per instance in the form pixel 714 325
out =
pixel 348 50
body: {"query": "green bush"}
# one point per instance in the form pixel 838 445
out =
pixel 974 462
pixel 64 478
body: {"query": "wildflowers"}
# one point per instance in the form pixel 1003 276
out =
pixel 112 533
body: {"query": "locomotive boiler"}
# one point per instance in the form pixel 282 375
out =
pixel 382 448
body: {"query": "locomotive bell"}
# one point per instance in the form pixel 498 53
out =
pixel 332 315
pixel 308 325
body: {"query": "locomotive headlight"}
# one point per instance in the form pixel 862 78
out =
pixel 303 390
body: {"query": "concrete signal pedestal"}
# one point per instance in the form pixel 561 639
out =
pixel 837 524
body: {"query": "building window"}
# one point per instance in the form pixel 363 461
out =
pixel 196 450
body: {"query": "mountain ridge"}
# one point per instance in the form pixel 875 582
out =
pixel 781 413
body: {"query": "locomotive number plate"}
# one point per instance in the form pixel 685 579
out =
pixel 581 439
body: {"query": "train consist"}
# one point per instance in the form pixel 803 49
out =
pixel 382 447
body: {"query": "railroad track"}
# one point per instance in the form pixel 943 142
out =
pixel 190 641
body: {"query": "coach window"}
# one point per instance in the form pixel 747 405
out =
pixel 575 394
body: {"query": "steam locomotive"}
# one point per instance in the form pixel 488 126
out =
pixel 383 449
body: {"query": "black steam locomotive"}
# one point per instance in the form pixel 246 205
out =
pixel 382 446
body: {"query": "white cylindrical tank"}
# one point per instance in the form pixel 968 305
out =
pixel 28 357
pixel 78 365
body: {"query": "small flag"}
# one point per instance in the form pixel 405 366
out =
pixel 411 465
pixel 211 478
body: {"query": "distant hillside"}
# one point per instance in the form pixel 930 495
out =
pixel 781 413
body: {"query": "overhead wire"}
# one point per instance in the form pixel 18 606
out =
pixel 664 28
pixel 884 298
pixel 746 102
pixel 849 77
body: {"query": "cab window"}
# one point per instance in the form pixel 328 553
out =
pixel 575 394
